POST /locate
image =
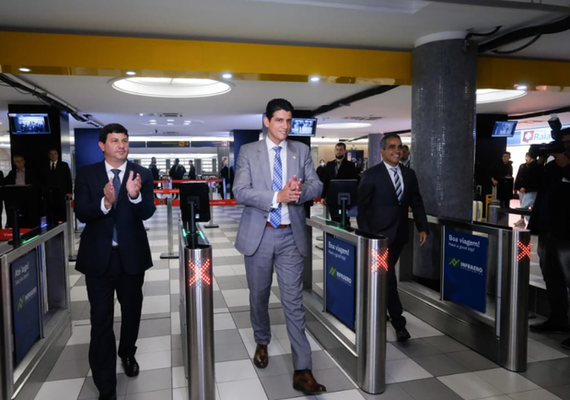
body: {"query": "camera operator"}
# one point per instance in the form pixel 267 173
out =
pixel 551 220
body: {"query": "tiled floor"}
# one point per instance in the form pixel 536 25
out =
pixel 431 366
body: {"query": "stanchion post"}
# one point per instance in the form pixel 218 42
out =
pixel 199 329
pixel 170 253
pixel 372 267
pixel 211 223
pixel 70 232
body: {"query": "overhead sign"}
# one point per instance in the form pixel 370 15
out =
pixel 340 279
pixel 531 136
pixel 164 144
pixel 211 143
pixel 25 303
pixel 465 269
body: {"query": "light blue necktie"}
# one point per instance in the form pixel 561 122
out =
pixel 275 217
pixel 117 187
pixel 397 184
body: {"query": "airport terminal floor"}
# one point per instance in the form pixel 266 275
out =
pixel 430 366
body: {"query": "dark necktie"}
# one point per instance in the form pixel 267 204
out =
pixel 397 184
pixel 336 168
pixel 275 217
pixel 53 166
pixel 117 187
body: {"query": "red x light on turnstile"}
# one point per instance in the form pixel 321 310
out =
pixel 379 260
pixel 524 250
pixel 199 272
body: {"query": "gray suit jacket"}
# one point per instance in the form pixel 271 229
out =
pixel 252 188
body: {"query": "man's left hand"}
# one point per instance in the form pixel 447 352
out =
pixel 423 238
pixel 562 159
pixel 134 185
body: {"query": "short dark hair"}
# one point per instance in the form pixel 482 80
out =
pixel 276 105
pixel 18 156
pixel 111 128
pixel 405 146
pixel 386 137
pixel 507 152
pixel 53 149
pixel 340 144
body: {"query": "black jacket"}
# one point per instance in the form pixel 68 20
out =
pixel 528 177
pixel 60 178
pixel 346 170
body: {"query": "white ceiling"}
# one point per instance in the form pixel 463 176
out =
pixel 378 24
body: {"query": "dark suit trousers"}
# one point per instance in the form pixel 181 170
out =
pixel 394 305
pixel 102 349
pixel 554 254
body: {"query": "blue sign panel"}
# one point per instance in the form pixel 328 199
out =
pixel 25 303
pixel 465 269
pixel 340 280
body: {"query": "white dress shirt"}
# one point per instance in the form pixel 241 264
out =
pixel 283 155
pixel 391 173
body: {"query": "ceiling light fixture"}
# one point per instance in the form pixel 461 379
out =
pixel 153 123
pixel 169 120
pixel 152 120
pixel 141 114
pixel 227 75
pixel 344 125
pixel 24 69
pixel 131 73
pixel 176 88
pixel 494 95
pixel 315 78
pixel 520 87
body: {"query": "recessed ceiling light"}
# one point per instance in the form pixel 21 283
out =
pixel 344 125
pixel 169 120
pixel 494 95
pixel 227 75
pixel 521 87
pixel 153 123
pixel 315 78
pixel 23 69
pixel 171 87
pixel 170 123
pixel 141 114
pixel 152 120
pixel 131 73
pixel 187 122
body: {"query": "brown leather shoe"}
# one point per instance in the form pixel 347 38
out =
pixel 261 358
pixel 304 381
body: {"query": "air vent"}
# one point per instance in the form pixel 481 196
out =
pixel 171 115
pixel 368 118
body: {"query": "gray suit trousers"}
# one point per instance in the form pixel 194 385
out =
pixel 278 248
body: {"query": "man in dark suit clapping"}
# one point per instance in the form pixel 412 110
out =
pixel 113 198
pixel 385 194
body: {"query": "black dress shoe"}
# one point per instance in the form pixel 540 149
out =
pixel 402 334
pixel 112 396
pixel 550 327
pixel 131 366
pixel 304 381
pixel 261 358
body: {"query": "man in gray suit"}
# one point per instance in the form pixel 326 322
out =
pixel 274 177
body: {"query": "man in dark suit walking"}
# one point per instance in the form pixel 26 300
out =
pixel 385 193
pixel 113 198
pixel 274 178
pixel 57 185
pixel 339 168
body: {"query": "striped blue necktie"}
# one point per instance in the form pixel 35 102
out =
pixel 275 216
pixel 117 187
pixel 397 184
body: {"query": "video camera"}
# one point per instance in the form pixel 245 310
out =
pixel 556 146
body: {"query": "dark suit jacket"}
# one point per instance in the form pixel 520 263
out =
pixel 192 173
pixel 95 247
pixel 346 170
pixel 378 209
pixel 31 177
pixel 60 177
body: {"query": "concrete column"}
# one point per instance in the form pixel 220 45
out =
pixel 443 134
pixel 374 156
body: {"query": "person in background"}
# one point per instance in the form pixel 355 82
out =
pixel 192 171
pixel 385 194
pixel 227 176
pixel 113 198
pixel 526 184
pixel 176 172
pixel 274 178
pixel 20 175
pixel 321 170
pixel 154 171
pixel 56 180
pixel 405 156
pixel 502 178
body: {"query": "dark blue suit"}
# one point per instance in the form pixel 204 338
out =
pixel 108 268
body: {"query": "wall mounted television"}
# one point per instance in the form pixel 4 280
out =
pixel 303 127
pixel 504 129
pixel 29 124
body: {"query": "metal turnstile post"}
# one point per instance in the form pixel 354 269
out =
pixel 170 254
pixel 372 270
pixel 70 231
pixel 197 321
pixel 211 223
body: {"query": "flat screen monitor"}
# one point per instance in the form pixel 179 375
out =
pixel 504 129
pixel 303 127
pixel 339 190
pixel 197 193
pixel 29 124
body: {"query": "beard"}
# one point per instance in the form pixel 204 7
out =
pixel 339 157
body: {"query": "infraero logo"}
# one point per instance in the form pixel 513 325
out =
pixel 454 262
pixel 340 276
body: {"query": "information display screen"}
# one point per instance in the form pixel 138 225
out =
pixel 25 303
pixel 340 278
